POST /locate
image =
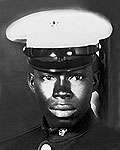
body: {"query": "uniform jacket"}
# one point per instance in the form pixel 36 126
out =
pixel 91 135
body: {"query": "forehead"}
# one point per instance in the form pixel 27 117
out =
pixel 87 69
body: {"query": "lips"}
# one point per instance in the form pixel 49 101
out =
pixel 62 107
pixel 62 110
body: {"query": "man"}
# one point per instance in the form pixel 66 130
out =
pixel 61 46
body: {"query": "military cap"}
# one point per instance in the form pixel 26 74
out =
pixel 60 39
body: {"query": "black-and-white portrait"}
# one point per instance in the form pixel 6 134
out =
pixel 59 75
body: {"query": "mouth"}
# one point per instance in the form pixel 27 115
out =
pixel 62 110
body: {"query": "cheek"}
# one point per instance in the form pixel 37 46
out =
pixel 80 89
pixel 47 88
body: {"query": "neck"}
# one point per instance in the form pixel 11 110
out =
pixel 81 126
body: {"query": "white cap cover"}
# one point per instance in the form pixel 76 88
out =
pixel 60 29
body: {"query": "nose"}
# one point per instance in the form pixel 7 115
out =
pixel 62 88
pixel 62 95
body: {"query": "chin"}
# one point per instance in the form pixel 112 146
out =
pixel 64 121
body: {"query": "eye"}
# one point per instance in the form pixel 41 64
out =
pixel 48 77
pixel 77 77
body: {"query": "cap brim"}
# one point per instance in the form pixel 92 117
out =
pixel 67 65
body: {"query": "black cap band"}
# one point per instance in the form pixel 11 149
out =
pixel 60 59
pixel 60 52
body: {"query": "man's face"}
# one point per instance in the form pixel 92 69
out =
pixel 64 95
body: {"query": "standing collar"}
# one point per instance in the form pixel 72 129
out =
pixel 79 129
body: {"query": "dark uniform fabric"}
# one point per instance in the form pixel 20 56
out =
pixel 89 135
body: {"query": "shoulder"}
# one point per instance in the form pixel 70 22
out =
pixel 102 130
pixel 104 137
pixel 24 140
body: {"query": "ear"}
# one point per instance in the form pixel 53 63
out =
pixel 96 78
pixel 95 103
pixel 30 80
